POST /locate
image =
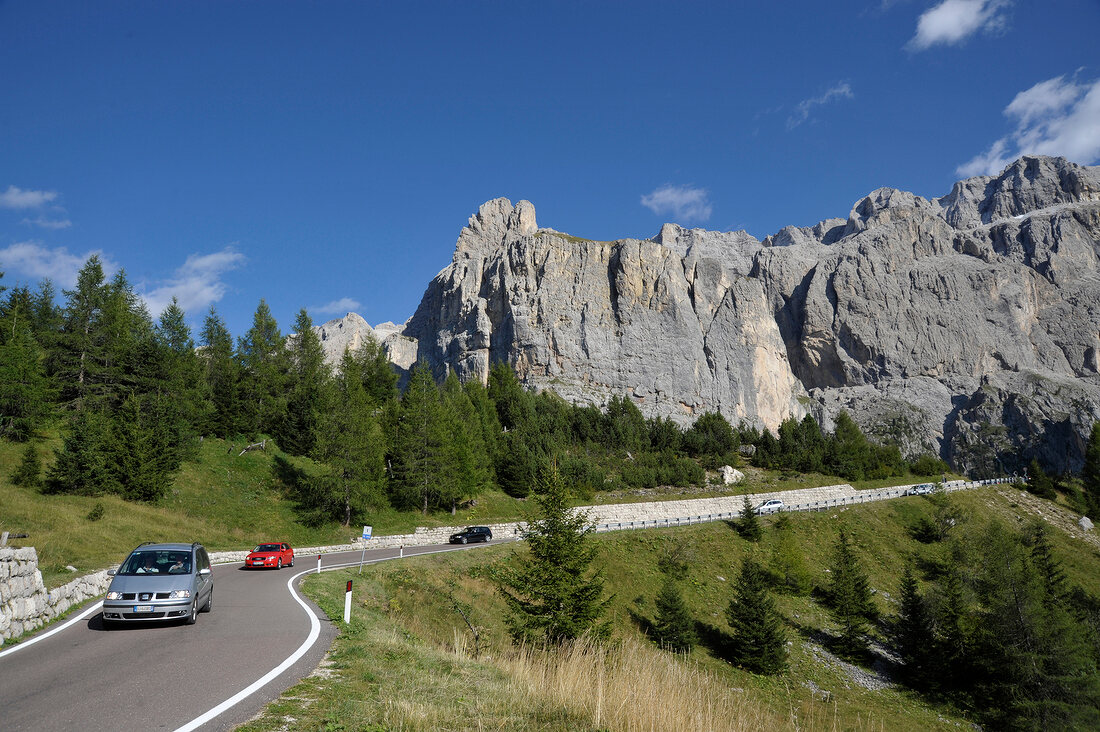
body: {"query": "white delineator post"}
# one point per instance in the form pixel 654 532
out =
pixel 318 564
pixel 347 604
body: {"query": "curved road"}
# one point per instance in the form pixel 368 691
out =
pixel 175 677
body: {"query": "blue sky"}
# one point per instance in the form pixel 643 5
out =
pixel 326 154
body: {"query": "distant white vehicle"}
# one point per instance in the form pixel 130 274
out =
pixel 769 506
pixel 921 490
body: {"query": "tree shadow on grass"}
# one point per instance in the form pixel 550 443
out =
pixel 717 641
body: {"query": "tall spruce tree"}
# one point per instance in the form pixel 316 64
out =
pixel 76 364
pixel 759 641
pixel 29 472
pixel 673 627
pixel 1035 668
pixel 379 378
pixel 748 525
pixel 24 389
pixel 422 445
pixel 553 592
pixel 307 388
pixel 469 456
pixel 261 353
pixel 788 562
pixel 222 376
pixel 350 443
pixel 850 602
pixel 914 634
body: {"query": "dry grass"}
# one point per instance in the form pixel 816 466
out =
pixel 632 686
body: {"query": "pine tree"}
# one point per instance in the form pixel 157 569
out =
pixel 674 627
pixel 759 641
pixel 350 443
pixel 76 364
pixel 222 377
pixel 913 633
pixel 515 408
pixel 82 465
pixel 376 371
pixel 787 559
pixel 261 354
pixel 468 455
pixel 178 382
pixel 422 446
pixel 1051 574
pixel 850 602
pixel 748 525
pixel 1090 474
pixel 1036 671
pixel 307 383
pixel 1038 482
pixel 29 472
pixel 848 453
pixel 136 453
pixel 24 389
pixel 553 593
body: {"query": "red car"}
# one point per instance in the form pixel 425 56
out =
pixel 277 555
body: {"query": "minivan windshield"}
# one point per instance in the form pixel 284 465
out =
pixel 156 562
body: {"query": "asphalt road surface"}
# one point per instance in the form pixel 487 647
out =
pixel 154 676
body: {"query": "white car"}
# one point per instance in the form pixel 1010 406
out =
pixel 923 489
pixel 769 506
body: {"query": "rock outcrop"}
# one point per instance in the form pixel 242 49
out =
pixel 967 325
pixel 666 322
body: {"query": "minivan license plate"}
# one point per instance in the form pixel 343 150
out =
pixel 143 608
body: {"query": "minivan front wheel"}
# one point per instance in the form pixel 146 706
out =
pixel 194 612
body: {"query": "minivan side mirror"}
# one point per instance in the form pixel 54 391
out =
pixel 111 572
pixel 204 570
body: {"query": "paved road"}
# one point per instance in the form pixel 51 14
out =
pixel 154 676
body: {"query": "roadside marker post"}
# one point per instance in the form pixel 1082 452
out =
pixel 318 564
pixel 347 604
pixel 366 538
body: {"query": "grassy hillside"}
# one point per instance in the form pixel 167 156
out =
pixel 408 661
pixel 228 501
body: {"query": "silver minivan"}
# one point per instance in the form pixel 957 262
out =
pixel 160 582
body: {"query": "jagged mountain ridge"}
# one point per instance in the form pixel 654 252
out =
pixel 968 325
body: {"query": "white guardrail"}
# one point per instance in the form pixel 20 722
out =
pixel 868 497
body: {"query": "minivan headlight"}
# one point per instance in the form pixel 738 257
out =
pixel 179 594
pixel 114 595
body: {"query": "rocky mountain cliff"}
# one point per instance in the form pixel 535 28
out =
pixel 967 325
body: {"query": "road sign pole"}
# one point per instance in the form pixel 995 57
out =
pixel 347 604
pixel 361 558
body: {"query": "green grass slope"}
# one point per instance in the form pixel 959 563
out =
pixel 409 659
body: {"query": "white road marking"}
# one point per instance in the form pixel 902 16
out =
pixel 314 634
pixel 50 632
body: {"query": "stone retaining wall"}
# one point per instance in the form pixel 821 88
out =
pixel 26 604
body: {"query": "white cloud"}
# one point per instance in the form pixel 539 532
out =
pixel 34 261
pixel 197 284
pixel 841 91
pixel 341 306
pixel 45 223
pixel 19 198
pixel 953 21
pixel 683 202
pixel 1054 117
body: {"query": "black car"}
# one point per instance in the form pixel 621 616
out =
pixel 472 533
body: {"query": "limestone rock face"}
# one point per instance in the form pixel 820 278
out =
pixel 671 326
pixel 954 323
pixel 967 326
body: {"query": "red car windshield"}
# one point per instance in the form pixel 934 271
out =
pixel 267 548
